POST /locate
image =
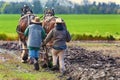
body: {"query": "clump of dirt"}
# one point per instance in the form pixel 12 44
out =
pixel 10 45
pixel 82 64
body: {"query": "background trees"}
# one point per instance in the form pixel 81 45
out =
pixel 61 8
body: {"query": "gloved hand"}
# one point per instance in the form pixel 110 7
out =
pixel 43 44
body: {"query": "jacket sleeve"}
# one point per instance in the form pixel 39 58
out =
pixel 49 37
pixel 43 34
pixel 68 37
pixel 26 31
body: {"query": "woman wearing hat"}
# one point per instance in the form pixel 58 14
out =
pixel 59 35
pixel 35 34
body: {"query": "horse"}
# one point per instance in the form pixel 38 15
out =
pixel 48 23
pixel 49 20
pixel 24 21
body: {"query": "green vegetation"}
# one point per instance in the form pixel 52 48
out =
pixel 12 69
pixel 8 23
pixel 96 26
pixel 93 25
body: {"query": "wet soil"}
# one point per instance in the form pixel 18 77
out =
pixel 86 60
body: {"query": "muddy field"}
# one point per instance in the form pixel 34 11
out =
pixel 86 60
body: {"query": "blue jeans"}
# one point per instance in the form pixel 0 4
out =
pixel 34 54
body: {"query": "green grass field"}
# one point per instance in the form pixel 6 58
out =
pixel 93 24
pixel 76 24
pixel 13 69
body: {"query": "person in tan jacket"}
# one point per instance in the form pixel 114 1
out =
pixel 59 35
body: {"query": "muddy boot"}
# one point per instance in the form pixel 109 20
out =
pixel 36 64
pixel 55 67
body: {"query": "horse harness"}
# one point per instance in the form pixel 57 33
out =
pixel 29 18
pixel 48 19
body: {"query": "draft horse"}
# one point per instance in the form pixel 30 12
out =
pixel 24 21
pixel 48 23
pixel 49 20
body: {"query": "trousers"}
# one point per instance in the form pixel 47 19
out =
pixel 60 54
pixel 34 53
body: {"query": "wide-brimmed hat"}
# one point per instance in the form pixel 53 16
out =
pixel 36 20
pixel 59 20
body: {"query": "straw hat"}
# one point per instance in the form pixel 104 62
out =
pixel 59 20
pixel 36 20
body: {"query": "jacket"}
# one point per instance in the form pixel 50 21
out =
pixel 59 38
pixel 35 34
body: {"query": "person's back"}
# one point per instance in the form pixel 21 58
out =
pixel 59 35
pixel 35 35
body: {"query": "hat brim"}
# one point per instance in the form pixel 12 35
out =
pixel 34 21
pixel 60 22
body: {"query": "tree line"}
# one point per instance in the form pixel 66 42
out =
pixel 36 6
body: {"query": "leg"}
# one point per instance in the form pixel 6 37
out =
pixel 55 57
pixel 36 56
pixel 31 56
pixel 24 54
pixel 61 61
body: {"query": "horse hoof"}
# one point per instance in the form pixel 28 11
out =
pixel 23 61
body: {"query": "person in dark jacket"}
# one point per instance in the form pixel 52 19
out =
pixel 35 34
pixel 59 36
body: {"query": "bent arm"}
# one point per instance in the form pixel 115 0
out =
pixel 43 34
pixel 26 31
pixel 68 37
pixel 49 37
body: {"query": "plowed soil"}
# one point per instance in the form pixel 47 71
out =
pixel 86 60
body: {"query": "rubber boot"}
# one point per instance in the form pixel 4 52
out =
pixel 36 64
pixel 55 67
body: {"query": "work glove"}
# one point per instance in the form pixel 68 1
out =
pixel 43 44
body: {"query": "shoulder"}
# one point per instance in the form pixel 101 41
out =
pixel 31 25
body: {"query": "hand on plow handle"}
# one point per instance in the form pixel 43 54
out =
pixel 43 44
